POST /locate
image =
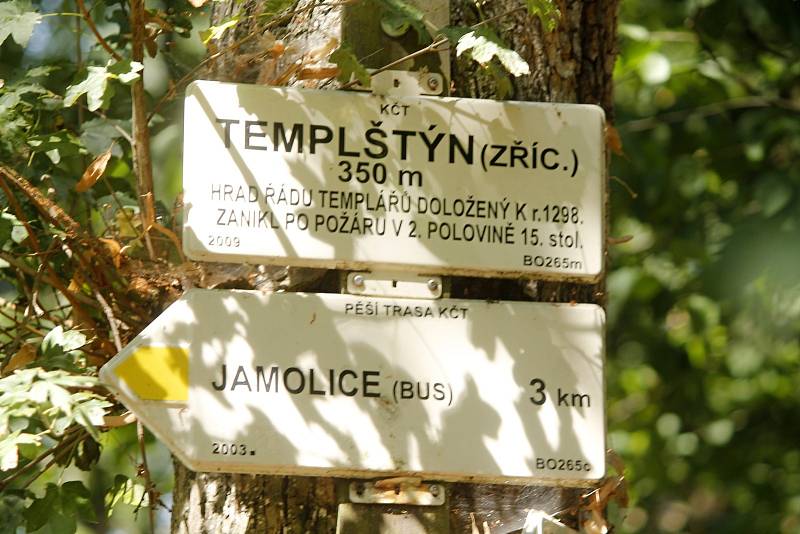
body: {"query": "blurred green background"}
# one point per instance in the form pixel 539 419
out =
pixel 704 299
pixel 704 309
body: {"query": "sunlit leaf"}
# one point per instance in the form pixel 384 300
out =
pixel 94 87
pixel 9 452
pixel 17 19
pixel 60 341
pixel 125 71
pixel 125 491
pixel 216 32
pixel 482 50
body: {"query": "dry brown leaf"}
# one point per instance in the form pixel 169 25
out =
pixel 620 240
pixel 114 249
pixel 614 459
pixel 317 73
pixel 151 45
pixel 25 355
pixel 76 283
pixel 94 171
pixel 613 140
pixel 113 421
pixel 323 51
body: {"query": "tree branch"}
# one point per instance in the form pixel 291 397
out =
pixel 90 23
pixel 142 162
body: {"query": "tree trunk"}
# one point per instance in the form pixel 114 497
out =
pixel 572 64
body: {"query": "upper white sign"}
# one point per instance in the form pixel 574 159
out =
pixel 341 385
pixel 434 185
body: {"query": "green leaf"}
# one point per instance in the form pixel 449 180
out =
pixel 11 228
pixel 454 33
pixel 399 15
pixel 57 341
pixel 41 70
pixel 126 71
pixel 403 9
pixel 125 491
pixel 87 454
pixel 58 511
pixel 394 26
pixel 19 234
pixel 62 141
pixel 12 512
pixel 9 452
pixel 273 7
pixel 216 32
pixel 483 49
pixel 17 19
pixel 94 87
pixel 547 12
pixel 6 226
pixel 349 66
pixel 90 413
pixel 40 509
pixel 773 194
pixel 76 500
pixel 98 133
pixel 503 86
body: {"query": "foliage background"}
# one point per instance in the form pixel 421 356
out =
pixel 704 299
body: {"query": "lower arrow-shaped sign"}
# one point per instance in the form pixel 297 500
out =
pixel 340 385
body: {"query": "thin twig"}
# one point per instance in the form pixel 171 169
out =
pixel 46 207
pixel 146 474
pixel 44 262
pixel 120 207
pixel 112 321
pixel 74 298
pixel 117 127
pixel 422 51
pixel 624 184
pixel 90 23
pixel 23 324
pixel 30 465
pixel 12 201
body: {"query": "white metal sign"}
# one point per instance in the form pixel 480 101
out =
pixel 342 385
pixel 434 185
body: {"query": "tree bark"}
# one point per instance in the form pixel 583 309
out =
pixel 572 64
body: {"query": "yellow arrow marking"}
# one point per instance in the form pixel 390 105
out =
pixel 157 373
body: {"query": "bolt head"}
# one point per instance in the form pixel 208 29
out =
pixel 433 83
pixel 434 489
pixel 358 280
pixel 433 285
